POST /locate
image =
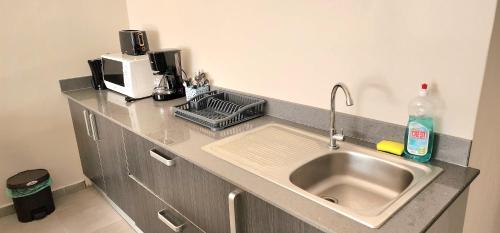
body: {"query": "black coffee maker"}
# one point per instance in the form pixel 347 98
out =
pixel 167 63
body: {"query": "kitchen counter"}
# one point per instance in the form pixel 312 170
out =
pixel 153 121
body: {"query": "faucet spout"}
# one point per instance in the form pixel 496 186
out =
pixel 334 136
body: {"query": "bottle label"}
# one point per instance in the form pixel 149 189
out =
pixel 418 139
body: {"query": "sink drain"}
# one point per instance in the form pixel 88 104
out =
pixel 331 199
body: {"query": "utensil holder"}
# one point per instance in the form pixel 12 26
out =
pixel 192 92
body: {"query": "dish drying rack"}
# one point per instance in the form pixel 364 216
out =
pixel 220 109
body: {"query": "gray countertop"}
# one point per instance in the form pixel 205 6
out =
pixel 154 121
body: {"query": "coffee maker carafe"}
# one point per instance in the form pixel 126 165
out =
pixel 167 63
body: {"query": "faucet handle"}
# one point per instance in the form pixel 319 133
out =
pixel 339 136
pixel 341 132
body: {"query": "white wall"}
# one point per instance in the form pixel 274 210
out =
pixel 42 42
pixel 296 50
pixel 483 211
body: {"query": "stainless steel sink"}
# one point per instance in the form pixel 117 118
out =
pixel 361 183
pixel 366 185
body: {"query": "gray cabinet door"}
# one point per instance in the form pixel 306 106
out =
pixel 113 161
pixel 194 192
pixel 256 216
pixel 89 154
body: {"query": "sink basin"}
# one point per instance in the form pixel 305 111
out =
pixel 360 183
pixel 363 184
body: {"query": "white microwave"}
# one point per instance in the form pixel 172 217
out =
pixel 129 75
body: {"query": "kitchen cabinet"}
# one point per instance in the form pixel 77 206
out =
pixel 204 197
pixel 143 179
pixel 113 162
pixel 196 193
pixel 254 215
pixel 87 146
pixel 103 159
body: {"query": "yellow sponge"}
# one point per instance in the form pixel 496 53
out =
pixel 391 147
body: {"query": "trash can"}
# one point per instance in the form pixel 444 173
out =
pixel 30 190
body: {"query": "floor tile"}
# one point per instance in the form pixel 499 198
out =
pixel 85 211
pixel 86 198
pixel 88 218
pixel 49 224
pixel 117 227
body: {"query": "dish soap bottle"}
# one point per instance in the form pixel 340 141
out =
pixel 419 136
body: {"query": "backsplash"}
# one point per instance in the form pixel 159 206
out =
pixel 448 148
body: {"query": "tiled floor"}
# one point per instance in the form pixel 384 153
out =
pixel 83 212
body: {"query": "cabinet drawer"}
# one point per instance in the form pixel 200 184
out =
pixel 153 166
pixel 194 192
pixel 156 216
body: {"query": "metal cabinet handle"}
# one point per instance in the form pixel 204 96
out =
pixel 85 117
pixel 171 221
pixel 95 135
pixel 162 158
pixel 232 210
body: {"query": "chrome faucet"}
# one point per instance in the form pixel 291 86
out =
pixel 334 136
